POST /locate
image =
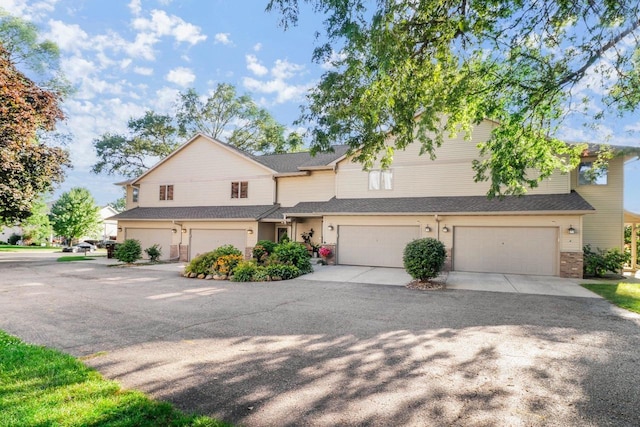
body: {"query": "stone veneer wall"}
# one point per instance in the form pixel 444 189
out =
pixel 248 252
pixel 184 253
pixel 173 252
pixel 331 259
pixel 448 261
pixel 571 264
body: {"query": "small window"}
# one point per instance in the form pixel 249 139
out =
pixel 587 175
pixel 166 192
pixel 381 180
pixel 239 190
pixel 134 195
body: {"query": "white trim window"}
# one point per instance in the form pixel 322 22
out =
pixel 381 180
pixel 588 175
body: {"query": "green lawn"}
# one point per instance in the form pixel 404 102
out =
pixel 69 258
pixel 43 387
pixel 14 248
pixel 625 295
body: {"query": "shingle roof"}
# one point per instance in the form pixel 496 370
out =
pixel 292 162
pixel 198 212
pixel 570 202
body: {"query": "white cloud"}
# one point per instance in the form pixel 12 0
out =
pixel 334 57
pixel 162 24
pixel 257 47
pixel 222 38
pixel 69 37
pixel 165 98
pixel 255 67
pixel 282 71
pixel 135 6
pixel 36 11
pixel 143 71
pixel 285 69
pixel 181 76
pixel 283 91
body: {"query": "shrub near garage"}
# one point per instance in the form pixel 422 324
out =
pixel 204 263
pixel 130 251
pixel 424 258
pixel 294 253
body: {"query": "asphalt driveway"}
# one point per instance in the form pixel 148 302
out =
pixel 307 352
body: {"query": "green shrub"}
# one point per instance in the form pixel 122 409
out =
pixel 424 258
pixel 244 271
pixel 294 253
pixel 129 251
pixel 154 252
pixel 260 254
pixel 261 274
pixel 203 263
pixel 14 238
pixel 268 245
pixel 598 262
pixel 283 271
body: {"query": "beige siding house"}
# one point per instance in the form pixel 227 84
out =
pixel 208 193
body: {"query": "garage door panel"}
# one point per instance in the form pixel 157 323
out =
pixel 513 250
pixel 380 246
pixel 151 236
pixel 204 240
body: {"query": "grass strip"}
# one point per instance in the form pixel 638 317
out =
pixel 44 387
pixel 624 295
pixel 15 248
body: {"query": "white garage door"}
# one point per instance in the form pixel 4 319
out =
pixel 149 237
pixel 207 240
pixel 515 250
pixel 379 246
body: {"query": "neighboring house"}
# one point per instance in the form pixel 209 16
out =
pixel 108 228
pixel 208 193
pixel 6 232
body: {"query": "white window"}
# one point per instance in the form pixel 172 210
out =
pixel 380 180
pixel 588 176
pixel 134 195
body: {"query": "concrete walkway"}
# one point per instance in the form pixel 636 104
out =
pixel 487 282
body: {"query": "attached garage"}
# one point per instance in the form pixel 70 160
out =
pixel 513 250
pixel 202 240
pixel 151 236
pixel 370 245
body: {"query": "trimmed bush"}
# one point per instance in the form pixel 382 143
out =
pixel 14 239
pixel 260 254
pixel 129 251
pixel 203 264
pixel 283 271
pixel 154 252
pixel 424 258
pixel 244 271
pixel 296 254
pixel 598 262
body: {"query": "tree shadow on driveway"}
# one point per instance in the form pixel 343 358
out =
pixel 316 353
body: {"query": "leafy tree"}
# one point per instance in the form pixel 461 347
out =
pixel 236 119
pixel 151 138
pixel 37 228
pixel 28 166
pixel 422 70
pixel 119 204
pixel 26 49
pixel 75 214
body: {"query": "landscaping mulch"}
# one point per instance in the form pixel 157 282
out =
pixel 429 285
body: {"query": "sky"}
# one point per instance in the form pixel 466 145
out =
pixel 129 56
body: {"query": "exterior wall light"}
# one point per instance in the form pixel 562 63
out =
pixel 572 230
pixel 250 231
pixel 119 229
pixel 427 228
pixel 330 227
pixel 174 231
pixel 445 229
pixel 184 230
